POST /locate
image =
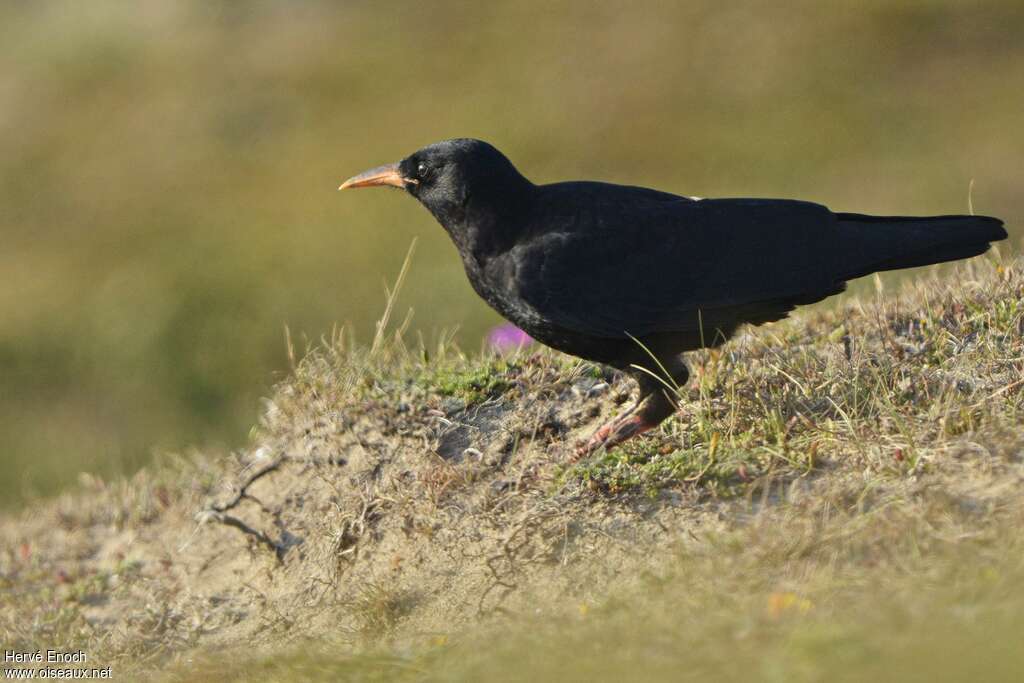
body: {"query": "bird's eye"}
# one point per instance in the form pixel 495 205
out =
pixel 422 169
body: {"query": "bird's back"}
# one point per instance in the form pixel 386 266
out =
pixel 618 261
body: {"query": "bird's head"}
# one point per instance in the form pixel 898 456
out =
pixel 454 179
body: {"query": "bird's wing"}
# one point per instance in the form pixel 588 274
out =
pixel 677 266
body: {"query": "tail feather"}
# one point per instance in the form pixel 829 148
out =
pixel 875 243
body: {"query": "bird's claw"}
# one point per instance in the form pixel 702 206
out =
pixel 613 433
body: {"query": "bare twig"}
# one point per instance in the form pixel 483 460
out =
pixel 232 521
pixel 217 513
pixel 244 488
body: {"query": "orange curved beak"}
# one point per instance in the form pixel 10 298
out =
pixel 382 175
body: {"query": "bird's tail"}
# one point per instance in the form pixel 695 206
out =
pixel 875 243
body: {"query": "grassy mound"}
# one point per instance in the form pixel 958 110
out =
pixel 840 497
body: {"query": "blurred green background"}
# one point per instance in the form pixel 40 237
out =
pixel 168 170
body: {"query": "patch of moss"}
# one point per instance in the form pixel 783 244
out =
pixel 624 470
pixel 473 384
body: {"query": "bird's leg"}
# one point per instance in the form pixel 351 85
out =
pixel 655 403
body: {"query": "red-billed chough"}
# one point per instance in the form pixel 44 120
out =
pixel 633 277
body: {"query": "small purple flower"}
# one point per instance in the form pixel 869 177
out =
pixel 506 338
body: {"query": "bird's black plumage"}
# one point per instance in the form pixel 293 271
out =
pixel 630 276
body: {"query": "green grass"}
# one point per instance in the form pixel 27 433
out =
pixel 475 384
pixel 639 469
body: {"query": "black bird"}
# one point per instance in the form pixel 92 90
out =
pixel 632 277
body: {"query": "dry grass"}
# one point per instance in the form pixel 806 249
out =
pixel 840 495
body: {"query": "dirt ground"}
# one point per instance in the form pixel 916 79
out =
pixel 409 495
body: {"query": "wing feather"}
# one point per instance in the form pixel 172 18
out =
pixel 669 266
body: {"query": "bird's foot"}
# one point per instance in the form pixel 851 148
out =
pixel 614 433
